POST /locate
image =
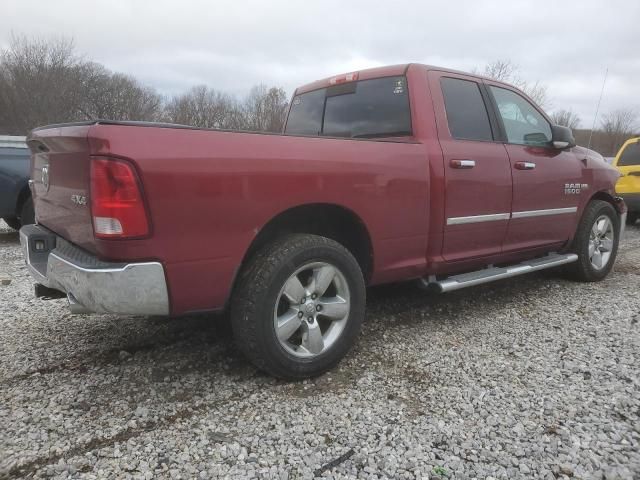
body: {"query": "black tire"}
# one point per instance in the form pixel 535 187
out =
pixel 259 288
pixel 27 213
pixel 583 270
pixel 13 223
pixel 632 218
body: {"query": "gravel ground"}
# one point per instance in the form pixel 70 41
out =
pixel 532 378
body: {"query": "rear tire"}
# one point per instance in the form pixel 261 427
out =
pixel 13 223
pixel 595 243
pixel 298 306
pixel 632 218
pixel 27 214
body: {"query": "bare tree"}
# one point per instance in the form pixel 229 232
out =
pixel 508 72
pixel 566 118
pixel 39 83
pixel 501 70
pixel 617 126
pixel 44 82
pixel 204 107
pixel 115 96
pixel 265 109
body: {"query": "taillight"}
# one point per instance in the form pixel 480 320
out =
pixel 117 206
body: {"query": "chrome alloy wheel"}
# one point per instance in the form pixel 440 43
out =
pixel 312 309
pixel 601 240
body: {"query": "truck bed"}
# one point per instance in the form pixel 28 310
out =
pixel 209 193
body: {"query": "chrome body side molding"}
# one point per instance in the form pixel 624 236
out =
pixel 541 213
pixel 506 216
pixel 477 218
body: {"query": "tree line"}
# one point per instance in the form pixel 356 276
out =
pixel 45 82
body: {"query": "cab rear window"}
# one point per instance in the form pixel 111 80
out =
pixel 364 109
pixel 630 155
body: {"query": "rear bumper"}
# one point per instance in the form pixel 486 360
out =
pixel 90 284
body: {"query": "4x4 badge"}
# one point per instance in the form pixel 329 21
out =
pixel 79 199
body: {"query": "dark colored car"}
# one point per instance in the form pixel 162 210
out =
pixel 397 173
pixel 16 205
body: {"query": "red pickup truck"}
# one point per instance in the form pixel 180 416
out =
pixel 383 175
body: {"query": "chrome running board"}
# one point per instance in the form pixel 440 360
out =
pixel 490 274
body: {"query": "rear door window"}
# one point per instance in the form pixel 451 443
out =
pixel 466 111
pixel 630 155
pixel 364 109
pixel 523 123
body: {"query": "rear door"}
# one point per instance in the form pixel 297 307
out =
pixel 476 165
pixel 546 181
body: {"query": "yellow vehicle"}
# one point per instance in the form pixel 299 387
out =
pixel 627 162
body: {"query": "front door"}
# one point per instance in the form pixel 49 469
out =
pixel 546 181
pixel 476 169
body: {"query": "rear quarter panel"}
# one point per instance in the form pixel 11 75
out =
pixel 209 194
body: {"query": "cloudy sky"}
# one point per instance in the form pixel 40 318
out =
pixel 232 45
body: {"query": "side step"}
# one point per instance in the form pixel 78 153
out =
pixel 490 274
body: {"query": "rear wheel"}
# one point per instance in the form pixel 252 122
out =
pixel 632 218
pixel 13 223
pixel 298 306
pixel 596 242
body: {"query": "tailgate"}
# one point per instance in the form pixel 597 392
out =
pixel 60 173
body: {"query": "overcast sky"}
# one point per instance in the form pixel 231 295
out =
pixel 232 45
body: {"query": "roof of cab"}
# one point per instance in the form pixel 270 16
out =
pixel 387 71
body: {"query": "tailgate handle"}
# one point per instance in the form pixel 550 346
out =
pixel 462 163
pixel 525 165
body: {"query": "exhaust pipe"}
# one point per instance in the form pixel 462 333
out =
pixel 75 307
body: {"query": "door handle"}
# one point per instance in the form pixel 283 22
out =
pixel 462 163
pixel 524 165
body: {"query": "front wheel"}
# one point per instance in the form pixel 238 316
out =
pixel 298 306
pixel 596 242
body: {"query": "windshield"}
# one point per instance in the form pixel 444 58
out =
pixel 630 155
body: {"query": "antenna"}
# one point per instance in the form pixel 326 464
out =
pixel 595 118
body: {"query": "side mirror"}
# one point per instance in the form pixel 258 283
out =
pixel 562 137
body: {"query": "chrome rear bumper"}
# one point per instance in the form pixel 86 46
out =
pixel 90 284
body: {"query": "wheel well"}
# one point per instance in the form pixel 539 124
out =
pixel 331 221
pixel 606 197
